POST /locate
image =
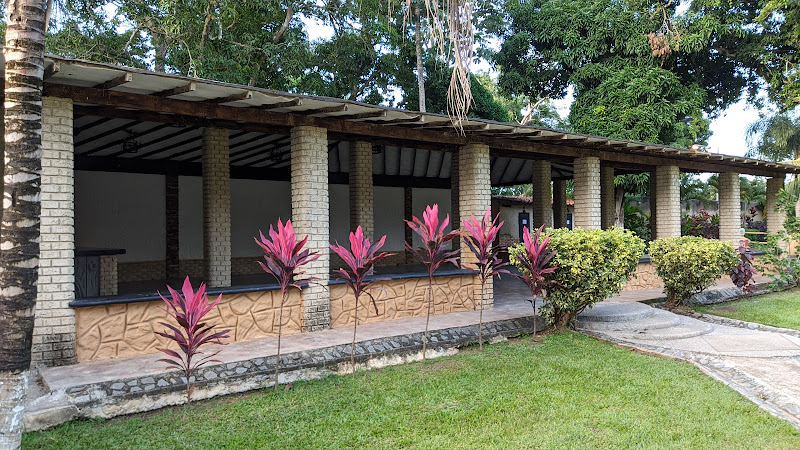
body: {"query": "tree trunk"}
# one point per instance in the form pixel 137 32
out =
pixel 619 201
pixel 420 66
pixel 19 259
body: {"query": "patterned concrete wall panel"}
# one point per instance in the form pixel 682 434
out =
pixel 118 331
pixel 646 278
pixel 399 299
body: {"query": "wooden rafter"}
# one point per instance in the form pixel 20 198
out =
pixel 126 77
pixel 182 89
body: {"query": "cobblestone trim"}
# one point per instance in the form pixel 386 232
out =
pixel 474 198
pixel 559 203
pixel 361 188
pixel 108 275
pixel 730 208
pixel 311 217
pixel 216 207
pixel 542 207
pixel 587 193
pixel 762 395
pixel 126 396
pixel 54 324
pixel 607 201
pixel 668 202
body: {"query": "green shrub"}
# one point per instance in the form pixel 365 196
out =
pixel 690 264
pixel 592 264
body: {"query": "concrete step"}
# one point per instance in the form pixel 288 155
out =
pixel 659 320
pixel 683 330
pixel 616 312
pixel 48 410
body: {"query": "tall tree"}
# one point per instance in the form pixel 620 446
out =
pixel 781 69
pixel 19 228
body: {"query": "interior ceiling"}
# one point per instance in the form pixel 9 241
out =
pixel 132 140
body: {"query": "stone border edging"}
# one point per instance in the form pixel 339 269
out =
pixel 765 398
pixel 138 394
pixel 719 320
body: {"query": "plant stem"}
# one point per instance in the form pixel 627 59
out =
pixel 280 331
pixel 534 315
pixel 480 321
pixel 428 319
pixel 353 347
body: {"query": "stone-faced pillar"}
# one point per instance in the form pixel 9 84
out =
pixel 474 198
pixel 542 207
pixel 587 193
pixel 668 202
pixel 54 325
pixel 653 189
pixel 361 191
pixel 311 217
pixel 216 207
pixel 730 208
pixel 172 225
pixel 608 205
pixel 559 203
pixel 774 218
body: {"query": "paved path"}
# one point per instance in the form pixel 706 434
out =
pixel 761 365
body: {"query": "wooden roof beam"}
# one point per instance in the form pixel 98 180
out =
pixel 244 95
pixel 189 87
pixel 126 77
pixel 326 109
pixel 287 104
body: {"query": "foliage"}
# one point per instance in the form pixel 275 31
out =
pixel 743 273
pixel 360 260
pixel 434 251
pixel 701 224
pixel 592 264
pixel 690 264
pixel 534 260
pixel 781 68
pixel 774 137
pixel 693 188
pixel 637 221
pixel 284 256
pixel 191 333
pixel 480 237
pixel 753 190
pixel 776 262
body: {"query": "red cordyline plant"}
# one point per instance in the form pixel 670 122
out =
pixel 360 260
pixel 535 264
pixel 742 274
pixel 191 333
pixel 479 237
pixel 283 257
pixel 434 251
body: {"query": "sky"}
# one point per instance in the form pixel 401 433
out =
pixel 728 129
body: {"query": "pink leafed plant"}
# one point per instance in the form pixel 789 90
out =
pixel 283 258
pixel 479 238
pixel 191 333
pixel 535 263
pixel 434 251
pixel 360 260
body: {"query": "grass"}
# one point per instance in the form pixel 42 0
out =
pixel 780 309
pixel 567 391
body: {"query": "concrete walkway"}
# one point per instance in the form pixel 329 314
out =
pixel 761 365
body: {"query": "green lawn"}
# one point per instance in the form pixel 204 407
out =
pixel 569 392
pixel 781 309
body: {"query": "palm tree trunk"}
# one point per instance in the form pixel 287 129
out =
pixel 19 260
pixel 420 66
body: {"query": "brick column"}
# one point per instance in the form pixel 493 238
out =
pixel 542 207
pixel 216 207
pixel 587 193
pixel 54 325
pixel 730 208
pixel 774 218
pixel 559 203
pixel 108 275
pixel 311 216
pixel 668 202
pixel 608 205
pixel 361 190
pixel 653 189
pixel 172 225
pixel 475 197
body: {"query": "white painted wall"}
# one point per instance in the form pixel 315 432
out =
pixel 119 210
